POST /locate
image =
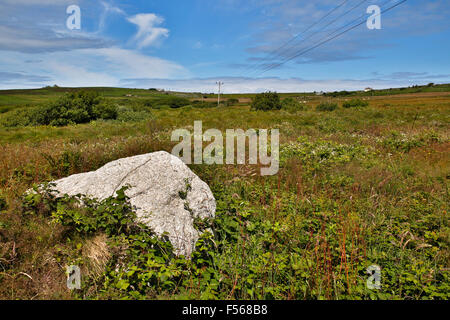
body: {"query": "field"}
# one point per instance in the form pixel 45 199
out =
pixel 357 187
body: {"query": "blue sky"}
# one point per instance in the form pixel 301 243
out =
pixel 188 45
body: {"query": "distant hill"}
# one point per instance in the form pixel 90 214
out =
pixel 23 97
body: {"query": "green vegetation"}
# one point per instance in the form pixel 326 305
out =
pixel 392 91
pixel 72 108
pixel 203 104
pixel 232 102
pixel 170 101
pixel 75 108
pixel 327 106
pixel 356 187
pixel 291 105
pixel 355 103
pixel 266 101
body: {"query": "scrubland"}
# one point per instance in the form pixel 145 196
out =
pixel 357 186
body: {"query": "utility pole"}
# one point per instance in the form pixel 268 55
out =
pixel 218 96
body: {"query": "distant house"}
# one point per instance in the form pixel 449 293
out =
pixel 368 89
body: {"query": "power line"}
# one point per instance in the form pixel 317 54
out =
pixel 311 26
pixel 286 52
pixel 270 54
pixel 327 40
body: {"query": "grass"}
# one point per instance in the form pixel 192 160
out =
pixel 356 187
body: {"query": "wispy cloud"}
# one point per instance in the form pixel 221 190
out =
pixel 148 33
pixel 39 26
pixel 283 20
pixel 408 75
pixel 83 67
pixel 34 40
pixel 108 9
pixel 15 77
pixel 217 38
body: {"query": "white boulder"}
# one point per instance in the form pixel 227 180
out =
pixel 165 193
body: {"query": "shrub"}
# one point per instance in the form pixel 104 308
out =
pixel 327 106
pixel 106 111
pixel 203 104
pixel 4 109
pixel 354 103
pixel 232 102
pixel 151 103
pixel 162 107
pixel 291 105
pixel 266 101
pixel 177 102
pixel 127 115
pixel 337 93
pixel 171 101
pixel 19 118
pixel 74 108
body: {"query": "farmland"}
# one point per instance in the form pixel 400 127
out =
pixel 357 187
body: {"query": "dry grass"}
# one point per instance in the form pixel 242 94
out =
pixel 97 254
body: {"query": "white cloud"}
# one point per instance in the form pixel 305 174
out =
pixel 35 41
pixel 134 63
pixel 70 75
pixel 108 9
pixel 148 33
pixel 40 26
pixel 84 67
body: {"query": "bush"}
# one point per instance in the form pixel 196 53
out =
pixel 354 103
pixel 291 105
pixel 161 107
pixel 127 115
pixel 75 108
pixel 105 111
pixel 232 102
pixel 266 101
pixel 203 104
pixel 19 118
pixel 172 102
pixel 176 102
pixel 327 106
pixel 337 93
